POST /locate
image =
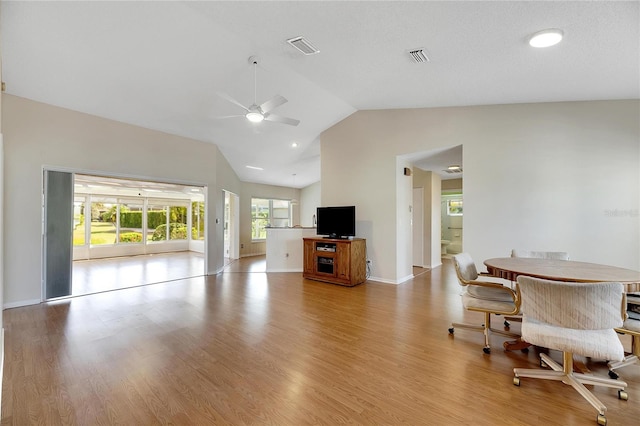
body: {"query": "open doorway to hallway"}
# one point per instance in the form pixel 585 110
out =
pixel 431 173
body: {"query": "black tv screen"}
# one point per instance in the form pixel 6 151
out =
pixel 336 222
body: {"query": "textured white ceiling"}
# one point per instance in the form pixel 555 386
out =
pixel 160 64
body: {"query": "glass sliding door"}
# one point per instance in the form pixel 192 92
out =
pixel 178 222
pixel 103 220
pixel 79 233
pixel 130 226
pixel 157 222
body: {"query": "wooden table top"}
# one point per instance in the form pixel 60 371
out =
pixel 561 270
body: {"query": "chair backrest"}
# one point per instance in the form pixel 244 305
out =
pixel 558 255
pixel 579 306
pixel 465 268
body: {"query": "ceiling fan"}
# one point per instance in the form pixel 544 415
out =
pixel 257 113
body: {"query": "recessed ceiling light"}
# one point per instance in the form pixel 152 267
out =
pixel 454 167
pixel 254 168
pixel 546 38
pixel 294 144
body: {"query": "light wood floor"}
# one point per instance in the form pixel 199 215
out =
pixel 98 275
pixel 255 348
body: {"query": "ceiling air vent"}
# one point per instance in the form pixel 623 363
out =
pixel 303 45
pixel 418 56
pixel 453 169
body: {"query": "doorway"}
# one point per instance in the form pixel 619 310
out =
pixel 231 234
pixel 119 233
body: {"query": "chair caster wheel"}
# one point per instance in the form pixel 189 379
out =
pixel 602 420
pixel 451 330
pixel 516 381
pixel 623 395
pixel 486 350
pixel 613 374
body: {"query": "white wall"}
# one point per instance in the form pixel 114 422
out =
pixel 37 135
pixel 404 243
pixel 557 176
pixel 309 202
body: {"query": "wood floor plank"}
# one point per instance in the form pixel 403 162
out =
pixel 247 347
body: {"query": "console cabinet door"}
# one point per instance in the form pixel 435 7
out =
pixel 309 258
pixel 343 260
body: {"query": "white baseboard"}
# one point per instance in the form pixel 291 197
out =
pixel 21 303
pixel 381 280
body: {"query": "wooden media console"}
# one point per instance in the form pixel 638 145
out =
pixel 335 261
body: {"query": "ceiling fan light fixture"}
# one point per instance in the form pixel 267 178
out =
pixel 254 117
pixel 546 38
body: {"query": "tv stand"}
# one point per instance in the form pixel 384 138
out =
pixel 336 261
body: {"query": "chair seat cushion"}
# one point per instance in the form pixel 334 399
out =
pixel 474 303
pixel 598 344
pixel 632 324
pixel 489 293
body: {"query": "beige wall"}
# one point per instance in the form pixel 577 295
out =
pixel 37 135
pixel 1 216
pixel 309 203
pixel 452 184
pixel 539 176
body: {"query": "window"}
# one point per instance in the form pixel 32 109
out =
pixel 197 220
pixel 266 213
pixel 454 207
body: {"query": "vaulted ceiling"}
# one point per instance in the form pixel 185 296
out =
pixel 162 65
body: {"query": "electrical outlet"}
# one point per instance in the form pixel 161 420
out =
pixel 241 245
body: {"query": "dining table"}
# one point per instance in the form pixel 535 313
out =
pixel 510 268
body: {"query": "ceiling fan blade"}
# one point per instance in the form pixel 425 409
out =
pixel 279 119
pixel 229 116
pixel 233 101
pixel 272 103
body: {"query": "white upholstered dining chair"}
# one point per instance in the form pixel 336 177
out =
pixel 483 296
pixel 631 327
pixel 573 318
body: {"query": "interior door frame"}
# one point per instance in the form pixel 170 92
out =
pixel 233 223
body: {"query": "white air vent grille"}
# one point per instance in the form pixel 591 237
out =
pixel 453 171
pixel 303 45
pixel 418 56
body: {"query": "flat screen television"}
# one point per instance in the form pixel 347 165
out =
pixel 336 222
